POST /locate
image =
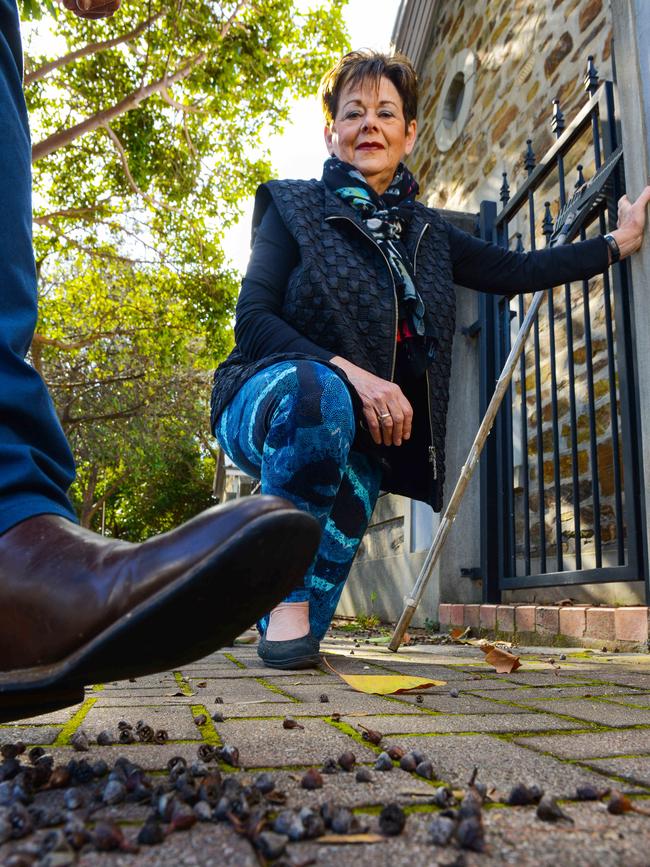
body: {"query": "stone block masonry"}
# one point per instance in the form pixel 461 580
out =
pixel 624 628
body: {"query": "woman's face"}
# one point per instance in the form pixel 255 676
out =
pixel 369 131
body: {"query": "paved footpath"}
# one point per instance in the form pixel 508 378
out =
pixel 558 723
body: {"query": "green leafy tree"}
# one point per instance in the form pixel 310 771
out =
pixel 149 131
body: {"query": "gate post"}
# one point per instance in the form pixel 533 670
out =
pixel 631 24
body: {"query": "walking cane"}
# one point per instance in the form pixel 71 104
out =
pixel 570 220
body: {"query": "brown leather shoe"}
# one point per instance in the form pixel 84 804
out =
pixel 77 608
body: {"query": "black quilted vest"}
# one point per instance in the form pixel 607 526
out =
pixel 341 296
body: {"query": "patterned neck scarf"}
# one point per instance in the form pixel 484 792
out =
pixel 386 217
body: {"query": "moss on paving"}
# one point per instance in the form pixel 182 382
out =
pixel 63 737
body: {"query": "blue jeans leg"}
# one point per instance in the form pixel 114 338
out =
pixel 36 466
pixel 292 425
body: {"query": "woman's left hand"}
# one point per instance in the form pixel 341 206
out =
pixel 631 223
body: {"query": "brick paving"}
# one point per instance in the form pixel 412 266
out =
pixel 561 724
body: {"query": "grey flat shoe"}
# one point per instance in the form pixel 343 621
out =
pixel 301 652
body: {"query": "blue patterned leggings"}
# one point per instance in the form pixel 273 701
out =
pixel 292 426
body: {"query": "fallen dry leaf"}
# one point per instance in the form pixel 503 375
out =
pixel 351 838
pixel 503 662
pixel 459 633
pixel 385 684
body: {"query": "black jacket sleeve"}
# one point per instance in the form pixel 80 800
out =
pixel 489 268
pixel 259 327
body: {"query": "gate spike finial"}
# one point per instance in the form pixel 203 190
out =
pixel 591 76
pixel 547 222
pixel 529 156
pixel 504 193
pixel 581 178
pixel 557 122
pixel 519 247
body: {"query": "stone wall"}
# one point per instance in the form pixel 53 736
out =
pixel 526 55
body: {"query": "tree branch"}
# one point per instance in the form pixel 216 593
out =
pixel 91 48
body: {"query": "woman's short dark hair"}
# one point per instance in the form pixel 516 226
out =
pixel 363 65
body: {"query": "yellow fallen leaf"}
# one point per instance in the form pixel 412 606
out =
pixel 503 662
pixel 351 838
pixel 385 684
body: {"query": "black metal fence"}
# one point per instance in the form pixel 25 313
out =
pixel 560 498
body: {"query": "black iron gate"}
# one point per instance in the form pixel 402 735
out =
pixel 560 497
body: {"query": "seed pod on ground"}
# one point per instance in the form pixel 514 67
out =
pixel 590 793
pixel 73 798
pixel 396 753
pixel 104 739
pixel 383 762
pixel 229 755
pixel 329 767
pixel 183 817
pixel 10 751
pixel 290 825
pixel 35 754
pixel 207 752
pixel 76 834
pixel 522 795
pixel 619 803
pixel 199 769
pixel 270 844
pixel 218 717
pixel 347 760
pixel 324 698
pixel 470 834
pixel 471 804
pixel 370 735
pixel 419 699
pixel 314 826
pixel 178 762
pixel 392 820
pixel 126 736
pixel 107 837
pixel 443 796
pixel 145 734
pixel 218 700
pixel 418 756
pixel 222 810
pixel 425 770
pixel 441 829
pixel 100 768
pixel 312 779
pixel 264 783
pixel 160 736
pixel 363 776
pixel 20 820
pixel 408 763
pixel 454 693
pixel 200 719
pixel 79 741
pixel 202 811
pixel 341 820
pixel 289 723
pixel 210 788
pixel 114 793
pixel 151 833
pixel 548 810
pixel 60 777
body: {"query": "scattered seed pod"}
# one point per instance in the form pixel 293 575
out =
pixel 229 755
pixel 363 775
pixel 392 820
pixel 454 693
pixel 329 766
pixel 126 736
pixel 12 750
pixel 347 760
pixel 20 821
pixel 590 793
pixel 178 762
pixel 548 810
pixel 396 753
pixel 104 739
pixel 60 777
pixel 470 834
pixel 183 817
pixel 370 735
pixel 619 803
pixel 35 754
pixel 522 795
pixel 151 833
pixel 73 798
pixel 114 793
pixel 324 698
pixel 408 763
pixel 383 762
pixel 200 719
pixel 218 700
pixel 123 725
pixel 207 752
pixel 79 741
pixel 341 820
pixel 441 829
pixel 289 723
pixel 270 844
pixel 100 768
pixel 425 770
pixel 145 734
pixel 264 783
pixel 160 736
pixel 76 834
pixel 313 824
pixel 335 717
pixel 218 717
pixel 107 837
pixel 443 797
pixel 312 779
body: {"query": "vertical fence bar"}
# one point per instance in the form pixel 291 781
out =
pixel 524 433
